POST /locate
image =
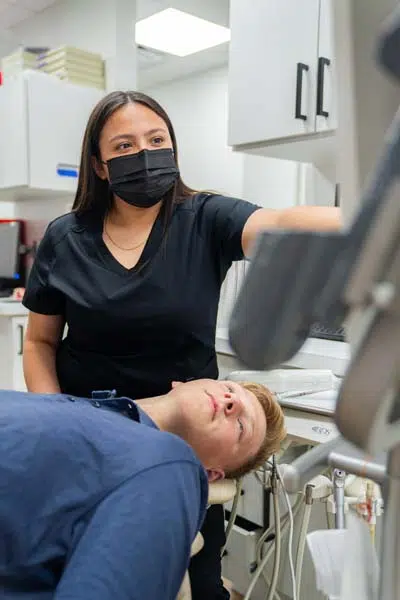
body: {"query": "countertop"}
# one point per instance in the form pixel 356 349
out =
pixel 12 308
pixel 320 403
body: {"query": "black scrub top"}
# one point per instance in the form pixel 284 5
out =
pixel 136 330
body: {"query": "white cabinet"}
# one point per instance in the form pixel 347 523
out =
pixel 280 73
pixel 42 122
pixel 12 333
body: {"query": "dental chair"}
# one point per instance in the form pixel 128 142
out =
pixel 220 492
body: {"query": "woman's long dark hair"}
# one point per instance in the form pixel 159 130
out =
pixel 93 193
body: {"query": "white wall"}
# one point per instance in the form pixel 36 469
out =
pixel 7 42
pixel 271 182
pixel 7 210
pixel 318 189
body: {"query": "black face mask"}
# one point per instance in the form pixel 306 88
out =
pixel 142 179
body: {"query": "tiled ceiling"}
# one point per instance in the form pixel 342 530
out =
pixel 13 12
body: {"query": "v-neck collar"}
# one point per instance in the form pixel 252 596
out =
pixel 150 248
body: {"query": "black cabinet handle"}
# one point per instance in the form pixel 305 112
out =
pixel 337 195
pixel 21 339
pixel 322 63
pixel 301 67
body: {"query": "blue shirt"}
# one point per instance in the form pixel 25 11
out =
pixel 93 505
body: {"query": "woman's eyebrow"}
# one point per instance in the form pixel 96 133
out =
pixel 132 136
pixel 121 136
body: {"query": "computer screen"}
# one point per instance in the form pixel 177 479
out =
pixel 9 250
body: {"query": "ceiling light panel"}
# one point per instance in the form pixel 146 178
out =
pixel 179 33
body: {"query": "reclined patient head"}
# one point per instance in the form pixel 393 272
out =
pixel 233 427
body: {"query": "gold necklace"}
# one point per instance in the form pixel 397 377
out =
pixel 120 247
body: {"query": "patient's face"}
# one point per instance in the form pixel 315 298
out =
pixel 223 422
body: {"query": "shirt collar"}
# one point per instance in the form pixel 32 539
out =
pixel 107 399
pixel 144 418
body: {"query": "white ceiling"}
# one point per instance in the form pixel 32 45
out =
pixel 153 68
pixel 13 12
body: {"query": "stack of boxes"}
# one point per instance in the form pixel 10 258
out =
pixel 66 63
pixel 19 61
pixel 73 65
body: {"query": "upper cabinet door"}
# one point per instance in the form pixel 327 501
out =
pixel 13 134
pixel 58 112
pixel 326 112
pixel 272 69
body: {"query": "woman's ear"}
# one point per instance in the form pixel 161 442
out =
pixel 99 168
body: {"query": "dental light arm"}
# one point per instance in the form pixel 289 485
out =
pixel 297 474
pixel 338 454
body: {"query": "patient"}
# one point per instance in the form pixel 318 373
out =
pixel 101 499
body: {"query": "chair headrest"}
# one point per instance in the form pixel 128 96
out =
pixel 221 491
